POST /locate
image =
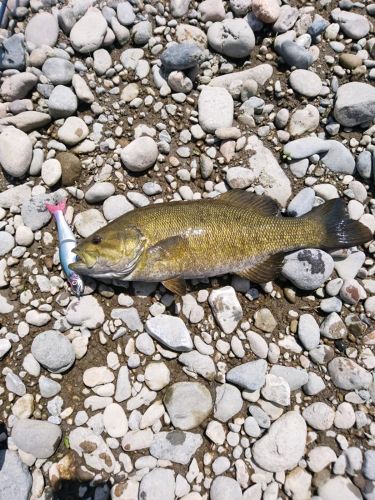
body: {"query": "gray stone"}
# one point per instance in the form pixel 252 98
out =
pixel 125 14
pixel 18 86
pixel 53 351
pixel 329 489
pixel 333 327
pixel 355 104
pixel 319 416
pixel 353 25
pixel 302 203
pixel 364 164
pixel 215 108
pixel 14 196
pixel 369 465
pixel 62 102
pixel 27 121
pixel 177 446
pixel 7 243
pixel 283 445
pixel 249 376
pixel 228 402
pixel 159 484
pixel 303 120
pixel 225 488
pixel 179 7
pixel 308 331
pixel 296 377
pixel 34 212
pixel 348 375
pixel 15 478
pixel 181 56
pixel 287 18
pixel 37 437
pixel 306 83
pixel 42 29
pixel 198 363
pixel 232 38
pixel 15 152
pixel 188 404
pixel 142 32
pixel 58 71
pixel 12 53
pixel 308 269
pixel 140 154
pixel 86 312
pixel 295 55
pixel 48 388
pixel 88 33
pixel 260 74
pixel 99 192
pixel 170 331
pixel 88 222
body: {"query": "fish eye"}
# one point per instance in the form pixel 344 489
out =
pixel 96 239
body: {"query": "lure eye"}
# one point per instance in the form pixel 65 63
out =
pixel 96 239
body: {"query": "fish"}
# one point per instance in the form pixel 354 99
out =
pixel 67 243
pixel 238 232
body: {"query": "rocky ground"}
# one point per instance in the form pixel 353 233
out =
pixel 234 391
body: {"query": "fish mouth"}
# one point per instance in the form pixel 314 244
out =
pixel 83 261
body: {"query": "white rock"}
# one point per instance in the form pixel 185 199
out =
pixel 157 376
pixel 88 222
pixel 215 108
pixel 15 151
pixel 73 131
pixel 115 421
pixel 140 154
pixel 86 312
pixel 170 331
pixel 226 308
pixel 51 172
pixel 88 33
pixel 319 416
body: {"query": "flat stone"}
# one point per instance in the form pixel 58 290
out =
pixel 348 491
pixel 140 154
pixel 276 390
pixel 34 212
pixel 228 402
pixel 249 376
pixel 260 74
pixel 308 331
pixel 283 445
pixel 232 38
pixel 308 269
pixel 12 53
pixel 73 131
pixel 188 404
pixel 306 83
pixel 15 478
pixel 115 420
pixel 348 375
pixel 295 55
pixel 15 152
pixel 353 25
pixel 42 29
pixel 86 312
pixel 296 377
pixel 303 120
pixel 215 108
pixel 62 102
pixel 170 331
pixel 59 71
pixel 319 416
pixel 37 437
pixel 225 488
pixel 181 56
pixel 198 363
pixel 92 448
pixel 355 104
pixel 53 351
pixel 177 446
pixel 159 484
pixel 88 33
pixel 17 86
pixel 226 308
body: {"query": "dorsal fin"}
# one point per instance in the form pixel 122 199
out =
pixel 264 271
pixel 175 285
pixel 244 199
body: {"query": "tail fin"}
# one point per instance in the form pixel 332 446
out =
pixel 59 207
pixel 338 230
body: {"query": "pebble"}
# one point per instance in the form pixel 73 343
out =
pixel 85 312
pixel 170 331
pixel 158 484
pixel 42 29
pixel 215 108
pixel 266 11
pixel 177 446
pixel 188 404
pixel 73 131
pixel 319 416
pixel 99 192
pixel 228 402
pixel 58 71
pixel 37 437
pixel 7 243
pixel 62 102
pixel 15 162
pixel 181 56
pixel 140 154
pixel 306 83
pixel 86 223
pixel 226 308
pixel 308 269
pixel 348 375
pixel 342 484
pixel 225 488
pixel 276 390
pixel 250 376
pixel 15 478
pixel 232 38
pixel 283 445
pixel 296 377
pixel 295 55
pixel 353 25
pixel 88 33
pixel 53 351
pixel 355 104
pixel 308 331
pixel 115 421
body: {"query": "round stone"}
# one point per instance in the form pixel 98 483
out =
pixel 42 29
pixel 58 71
pixel 306 83
pixel 99 192
pixel 232 38
pixel 308 269
pixel 51 172
pixel 62 102
pixel 16 151
pixel 73 131
pixel 53 351
pixel 266 11
pixel 115 421
pixel 319 416
pixel 88 33
pixel 140 155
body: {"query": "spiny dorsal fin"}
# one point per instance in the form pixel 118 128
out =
pixel 175 285
pixel 265 271
pixel 244 199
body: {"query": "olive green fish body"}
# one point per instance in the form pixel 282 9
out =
pixel 239 232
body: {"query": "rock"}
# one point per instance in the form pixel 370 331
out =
pixel 319 416
pixel 333 327
pixel 88 33
pixel 181 56
pixel 308 331
pixel 188 404
pixel 15 196
pixel 266 11
pixel 287 17
pixel 82 90
pixel 260 74
pixel 62 102
pixel 58 71
pixel 42 29
pixel 71 168
pixel 349 61
pixel 159 484
pixel 304 120
pixel 93 448
pixel 12 53
pixel 37 437
pixel 307 269
pixel 27 121
pixel 267 172
pixel 15 478
pixel 344 416
pixel 276 390
pixel 215 108
pixel 347 490
pixel 296 377
pixel 115 206
pixel 7 243
pixel 89 221
pixel 283 445
pixel 140 155
pixel 170 331
pixel 115 421
pixel 5 346
pixel 198 363
pixel 228 402
pixel 177 446
pixel 232 38
pixel 189 33
pixel 369 465
pixel 51 172
pixel 99 192
pixel 295 55
pixel 355 104
pixel 225 488
pixel 239 177
pixel 18 86
pixel 53 351
pixel 15 152
pixel 264 320
pixel 306 83
pixel 249 376
pixel 48 388
pixel 125 13
pixel 320 457
pixel 212 10
pixel 73 131
pixel 33 211
pixel 348 375
pixel 353 25
pixel 179 7
pixel 226 308
pixel 85 312
pixel 102 61
pixel 157 376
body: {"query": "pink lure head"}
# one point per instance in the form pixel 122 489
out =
pixel 59 207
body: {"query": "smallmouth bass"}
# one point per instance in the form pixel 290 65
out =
pixel 238 232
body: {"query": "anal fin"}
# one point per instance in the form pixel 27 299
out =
pixel 175 285
pixel 264 271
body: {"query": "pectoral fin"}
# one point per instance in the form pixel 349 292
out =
pixel 265 271
pixel 175 285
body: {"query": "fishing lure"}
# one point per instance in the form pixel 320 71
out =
pixel 67 242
